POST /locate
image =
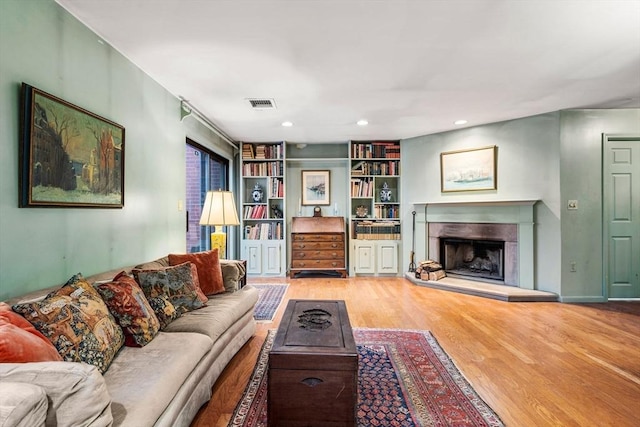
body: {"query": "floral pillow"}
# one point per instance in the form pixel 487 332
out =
pixel 130 307
pixel 164 310
pixel 20 342
pixel 78 323
pixel 209 271
pixel 177 283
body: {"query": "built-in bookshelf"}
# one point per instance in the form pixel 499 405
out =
pixel 375 225
pixel 263 207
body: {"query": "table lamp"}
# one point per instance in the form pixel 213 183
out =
pixel 219 210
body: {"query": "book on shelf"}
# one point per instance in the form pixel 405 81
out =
pixel 375 150
pixel 377 230
pixel 263 231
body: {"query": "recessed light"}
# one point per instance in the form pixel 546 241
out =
pixel 362 122
pixel 287 124
pixel 460 122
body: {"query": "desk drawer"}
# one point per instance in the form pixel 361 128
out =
pixel 318 263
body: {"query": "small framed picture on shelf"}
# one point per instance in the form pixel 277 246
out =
pixel 315 187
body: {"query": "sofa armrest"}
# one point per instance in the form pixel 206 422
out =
pixel 233 274
pixel 77 392
pixel 22 405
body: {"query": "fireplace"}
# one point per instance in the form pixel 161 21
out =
pixel 508 221
pixel 478 251
pixel 483 259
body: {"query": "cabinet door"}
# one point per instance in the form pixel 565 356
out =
pixel 252 252
pixel 387 257
pixel 364 257
pixel 272 257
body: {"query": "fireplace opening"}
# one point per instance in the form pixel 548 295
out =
pixel 473 258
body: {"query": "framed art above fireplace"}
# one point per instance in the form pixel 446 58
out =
pixel 469 170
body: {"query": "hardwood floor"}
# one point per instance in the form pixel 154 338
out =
pixel 535 364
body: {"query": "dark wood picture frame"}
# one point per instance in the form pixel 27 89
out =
pixel 69 157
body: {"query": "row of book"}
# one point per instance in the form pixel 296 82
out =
pixel 262 169
pixel 386 211
pixel 369 230
pixel 254 212
pixel 391 167
pixel 277 188
pixel 264 231
pixel 361 187
pixel 375 150
pixel 261 151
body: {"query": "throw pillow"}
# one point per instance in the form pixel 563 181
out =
pixel 208 265
pixel 130 307
pixel 176 282
pixel 164 310
pixel 78 323
pixel 20 342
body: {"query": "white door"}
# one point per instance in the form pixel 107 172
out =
pixel 364 256
pixel 252 252
pixel 621 174
pixel 272 257
pixel 387 256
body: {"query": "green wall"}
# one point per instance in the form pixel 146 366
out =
pixel 41 44
pixel 551 157
pixel 581 179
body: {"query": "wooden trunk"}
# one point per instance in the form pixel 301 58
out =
pixel 313 367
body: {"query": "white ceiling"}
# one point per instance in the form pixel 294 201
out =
pixel 409 67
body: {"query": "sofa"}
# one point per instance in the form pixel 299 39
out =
pixel 163 382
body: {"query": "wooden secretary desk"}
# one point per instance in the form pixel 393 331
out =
pixel 318 245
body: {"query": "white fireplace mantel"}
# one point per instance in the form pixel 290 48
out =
pixel 518 212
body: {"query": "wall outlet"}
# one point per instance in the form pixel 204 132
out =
pixel 572 205
pixel 573 266
pixel 180 205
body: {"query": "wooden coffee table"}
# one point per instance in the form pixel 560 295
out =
pixel 313 367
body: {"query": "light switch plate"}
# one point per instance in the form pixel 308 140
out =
pixel 572 205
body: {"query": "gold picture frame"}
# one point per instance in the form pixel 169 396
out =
pixel 472 169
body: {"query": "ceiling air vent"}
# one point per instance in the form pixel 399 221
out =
pixel 262 103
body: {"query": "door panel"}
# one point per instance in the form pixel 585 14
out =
pixel 622 216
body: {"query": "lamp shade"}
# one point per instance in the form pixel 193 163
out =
pixel 219 209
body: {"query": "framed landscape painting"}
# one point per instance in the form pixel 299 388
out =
pixel 468 170
pixel 315 187
pixel 69 157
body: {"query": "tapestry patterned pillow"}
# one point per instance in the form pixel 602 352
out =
pixel 130 307
pixel 164 310
pixel 175 282
pixel 78 323
pixel 209 271
pixel 20 342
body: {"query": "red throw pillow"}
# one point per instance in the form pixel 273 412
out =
pixel 130 307
pixel 208 266
pixel 20 342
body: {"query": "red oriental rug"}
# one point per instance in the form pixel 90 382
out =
pixel 405 379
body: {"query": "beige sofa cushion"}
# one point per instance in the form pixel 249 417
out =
pixel 77 392
pixel 221 312
pixel 144 380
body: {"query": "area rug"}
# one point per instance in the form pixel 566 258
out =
pixel 269 300
pixel 405 379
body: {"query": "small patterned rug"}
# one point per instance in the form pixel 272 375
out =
pixel 269 300
pixel 405 379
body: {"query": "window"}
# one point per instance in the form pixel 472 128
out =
pixel 205 171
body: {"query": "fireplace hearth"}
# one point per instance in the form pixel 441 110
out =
pixel 482 259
